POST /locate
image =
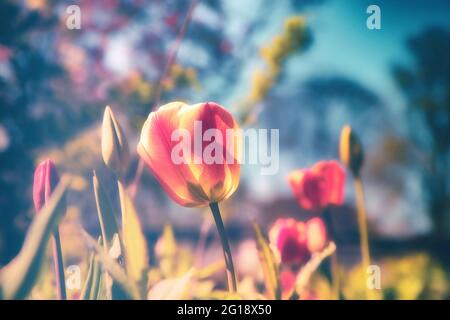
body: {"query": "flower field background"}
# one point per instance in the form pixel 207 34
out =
pixel 359 207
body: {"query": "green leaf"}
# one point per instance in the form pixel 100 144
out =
pixel 108 222
pixel 308 269
pixel 110 230
pixel 114 269
pixel 166 252
pixel 171 289
pixel 269 265
pixel 136 254
pixel 19 276
pixel 115 291
pixel 167 242
pixel 209 270
pixel 85 292
pixel 91 286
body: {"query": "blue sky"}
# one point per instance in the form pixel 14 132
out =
pixel 345 46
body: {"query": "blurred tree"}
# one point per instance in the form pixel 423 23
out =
pixel 55 82
pixel 23 71
pixel 296 37
pixel 426 85
pixel 323 105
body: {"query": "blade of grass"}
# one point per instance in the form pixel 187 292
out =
pixel 171 289
pixel 269 265
pixel 135 245
pixel 307 271
pixel 87 287
pixel 106 216
pixel 113 268
pixel 20 275
pixel 91 286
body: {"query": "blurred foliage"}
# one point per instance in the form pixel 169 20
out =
pixel 426 85
pixel 18 277
pixel 54 83
pixel 295 37
pixel 415 276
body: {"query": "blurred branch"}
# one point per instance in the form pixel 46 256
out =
pixel 170 61
pixel 173 51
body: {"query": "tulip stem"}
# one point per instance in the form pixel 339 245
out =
pixel 362 223
pixel 231 276
pixel 334 259
pixel 59 266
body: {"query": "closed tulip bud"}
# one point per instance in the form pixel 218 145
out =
pixel 316 235
pixel 184 147
pixel 45 181
pixel 115 151
pixel 351 151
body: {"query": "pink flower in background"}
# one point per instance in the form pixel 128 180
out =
pixel 333 174
pixel 295 241
pixel 288 237
pixel 5 53
pixel 320 186
pixel 45 181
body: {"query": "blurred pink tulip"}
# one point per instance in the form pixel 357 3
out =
pixel 45 181
pixel 320 186
pixel 288 237
pixel 295 241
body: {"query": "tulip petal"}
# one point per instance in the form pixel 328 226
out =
pixel 334 175
pixel 220 178
pixel 155 148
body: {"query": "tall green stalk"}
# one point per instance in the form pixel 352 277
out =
pixel 231 276
pixel 334 259
pixel 59 266
pixel 362 224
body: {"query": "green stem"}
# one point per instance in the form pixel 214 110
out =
pixel 334 259
pixel 231 276
pixel 59 266
pixel 362 223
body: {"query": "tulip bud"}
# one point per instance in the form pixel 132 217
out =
pixel 351 151
pixel 45 181
pixel 115 150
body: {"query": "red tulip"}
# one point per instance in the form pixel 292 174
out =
pixel 193 182
pixel 316 235
pixel 320 186
pixel 45 181
pixel 288 237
